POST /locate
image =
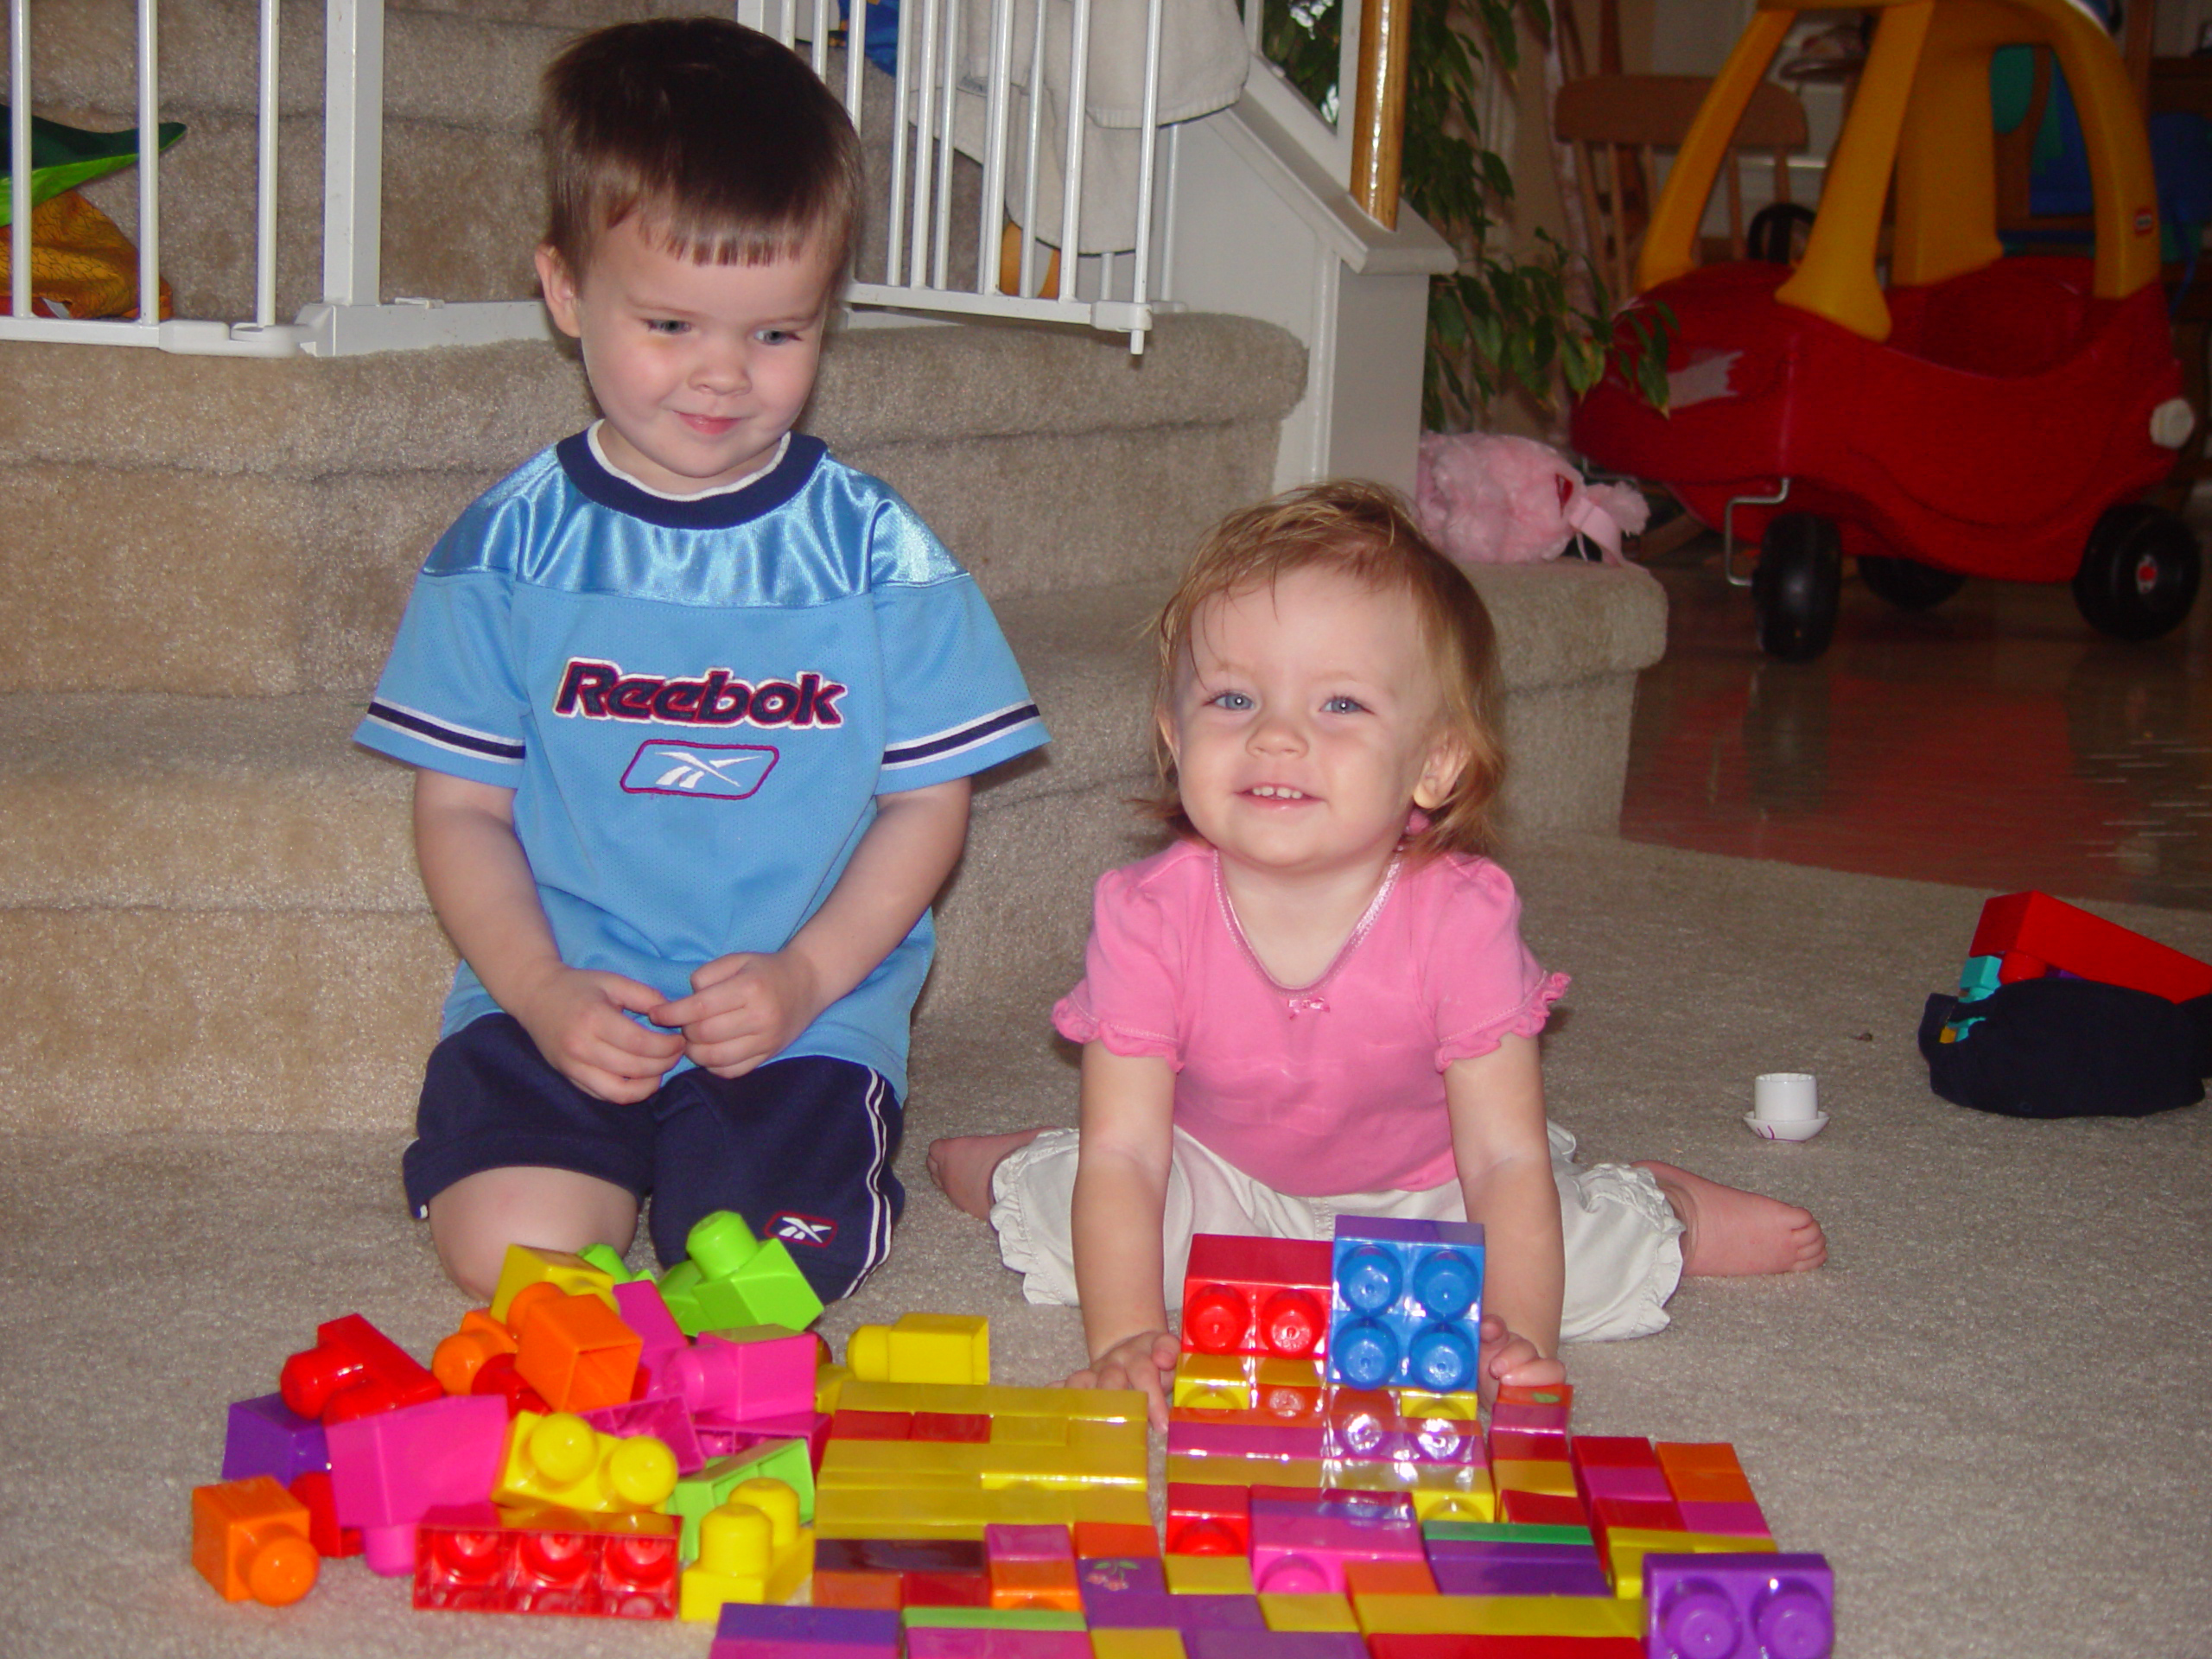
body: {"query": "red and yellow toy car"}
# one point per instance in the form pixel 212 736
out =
pixel 1960 413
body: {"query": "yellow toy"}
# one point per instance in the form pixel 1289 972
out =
pixel 562 1459
pixel 569 1275
pixel 953 1348
pixel 751 1548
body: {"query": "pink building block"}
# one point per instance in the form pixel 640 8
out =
pixel 1010 1543
pixel 737 1377
pixel 386 1469
pixel 1738 1519
pixel 1277 1441
pixel 643 1311
pixel 664 1416
pixel 1302 1549
pixel 953 1642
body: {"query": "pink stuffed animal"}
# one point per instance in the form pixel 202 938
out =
pixel 1485 499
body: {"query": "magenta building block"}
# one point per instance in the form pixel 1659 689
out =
pixel 1740 1519
pixel 756 1647
pixel 952 1642
pixel 265 1436
pixel 1739 1606
pixel 1112 1575
pixel 640 1306
pixel 741 1383
pixel 1010 1543
pixel 1613 1480
pixel 1281 1441
pixel 664 1416
pixel 1527 1418
pixel 386 1469
pixel 1476 1575
pixel 1274 1644
pixel 1612 1452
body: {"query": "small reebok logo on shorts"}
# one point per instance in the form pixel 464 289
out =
pixel 794 1229
pixel 728 771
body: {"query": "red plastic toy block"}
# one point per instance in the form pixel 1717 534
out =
pixel 1256 1296
pixel 498 1376
pixel 894 1573
pixel 951 1428
pixel 330 1540
pixel 1208 1520
pixel 847 1424
pixel 1541 1509
pixel 354 1370
pixel 475 1558
pixel 1114 1541
pixel 1642 1514
pixel 2033 932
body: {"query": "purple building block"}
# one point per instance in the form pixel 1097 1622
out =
pixel 664 1416
pixel 1106 1576
pixel 1144 1609
pixel 1274 1644
pixel 1739 1606
pixel 1280 1441
pixel 771 1632
pixel 385 1470
pixel 950 1642
pixel 1477 1575
pixel 643 1311
pixel 1008 1543
pixel 267 1436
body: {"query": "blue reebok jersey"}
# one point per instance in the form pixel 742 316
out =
pixel 696 702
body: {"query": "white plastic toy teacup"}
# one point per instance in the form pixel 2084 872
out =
pixel 1786 1106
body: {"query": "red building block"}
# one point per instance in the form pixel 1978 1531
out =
pixel 1208 1520
pixel 952 1427
pixel 894 1574
pixel 2033 932
pixel 498 1376
pixel 1256 1296
pixel 354 1370
pixel 1114 1541
pixel 1541 1509
pixel 847 1424
pixel 330 1541
pixel 475 1558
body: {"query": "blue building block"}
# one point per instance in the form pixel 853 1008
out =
pixel 1979 978
pixel 1407 1306
pixel 1739 1606
pixel 267 1436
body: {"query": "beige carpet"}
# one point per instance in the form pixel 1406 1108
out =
pixel 1992 1409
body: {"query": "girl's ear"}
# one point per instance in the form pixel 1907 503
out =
pixel 1447 759
pixel 559 285
pixel 1164 720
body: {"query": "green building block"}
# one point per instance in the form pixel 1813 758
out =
pixel 610 1262
pixel 1506 1532
pixel 784 1460
pixel 993 1618
pixel 733 1279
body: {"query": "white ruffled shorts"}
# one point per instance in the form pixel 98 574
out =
pixel 1623 1240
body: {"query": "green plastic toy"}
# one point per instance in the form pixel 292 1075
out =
pixel 64 157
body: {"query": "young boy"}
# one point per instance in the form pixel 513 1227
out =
pixel 694 709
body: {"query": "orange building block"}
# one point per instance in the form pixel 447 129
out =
pixel 250 1540
pixel 457 1359
pixel 575 1351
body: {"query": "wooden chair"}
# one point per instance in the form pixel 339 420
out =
pixel 1626 119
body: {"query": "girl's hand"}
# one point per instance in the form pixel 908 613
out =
pixel 1514 1360
pixel 1144 1362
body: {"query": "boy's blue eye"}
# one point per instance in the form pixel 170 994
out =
pixel 666 326
pixel 777 336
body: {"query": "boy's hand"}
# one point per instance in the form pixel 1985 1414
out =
pixel 1508 1358
pixel 578 1018
pixel 744 1010
pixel 1143 1362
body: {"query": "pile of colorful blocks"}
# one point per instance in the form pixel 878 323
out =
pixel 597 1444
pixel 2032 935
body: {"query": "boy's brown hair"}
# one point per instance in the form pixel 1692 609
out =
pixel 722 138
pixel 1362 531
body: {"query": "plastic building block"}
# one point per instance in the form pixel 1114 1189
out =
pixel 1204 1434
pixel 1208 1575
pixel 1447 1535
pixel 1599 1616
pixel 750 1630
pixel 1274 1644
pixel 1437 1490
pixel 1391 1578
pixel 250 1541
pixel 1028 1544
pixel 991 1618
pixel 1064 1405
pixel 1407 1305
pixel 1512 1475
pixel 1036 1583
pixel 660 1339
pixel 457 1360
pixel 1610 1515
pixel 1208 1520
pixel 1740 1607
pixel 1289 1390
pixel 331 1540
pixel 1256 1296
pixel 2034 933
pixel 893 1574
pixel 971 1643
pixel 1541 1509
pixel 1095 1539
pixel 952 1512
pixel 387 1470
pixel 951 1428
pixel 570 1274
pixel 1140 1610
pixel 732 1281
pixel 751 1548
pixel 562 1459
pixel 1112 1575
pixel 849 1425
pixel 1136 1644
pixel 575 1350
pixel 1703 1474
pixel 476 1558
pixel 1303 1547
pixel 265 1436
pixel 740 1376
pixel 608 1261
pixel 950 1348
pixel 1507 1575
pixel 1213 1383
pixel 1626 1548
pixel 353 1369
pixel 1467 1646
pixel 696 1494
pixel 1743 1519
pixel 662 1416
pixel 498 1378
pixel 1318 1611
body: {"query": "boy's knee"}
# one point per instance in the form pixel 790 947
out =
pixel 473 1221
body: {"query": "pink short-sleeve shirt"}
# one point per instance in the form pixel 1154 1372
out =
pixel 1333 1087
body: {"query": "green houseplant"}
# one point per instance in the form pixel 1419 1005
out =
pixel 1503 321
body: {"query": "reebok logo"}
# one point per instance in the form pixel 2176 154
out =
pixel 728 771
pixel 597 691
pixel 794 1229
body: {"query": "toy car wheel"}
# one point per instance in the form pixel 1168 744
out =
pixel 1777 232
pixel 1907 584
pixel 2139 573
pixel 1796 586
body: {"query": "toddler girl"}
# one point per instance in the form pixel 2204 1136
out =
pixel 1316 1001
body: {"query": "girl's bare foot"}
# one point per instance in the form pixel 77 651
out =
pixel 1728 1231
pixel 962 1166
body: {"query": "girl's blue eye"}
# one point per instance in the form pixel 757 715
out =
pixel 1235 702
pixel 777 336
pixel 1343 706
pixel 665 326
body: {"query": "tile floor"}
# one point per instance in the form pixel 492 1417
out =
pixel 1995 741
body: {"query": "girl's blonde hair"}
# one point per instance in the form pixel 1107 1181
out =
pixel 1362 531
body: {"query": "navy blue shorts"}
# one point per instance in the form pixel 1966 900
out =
pixel 801 1149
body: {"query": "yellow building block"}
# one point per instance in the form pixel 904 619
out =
pixel 1326 1611
pixel 1213 1383
pixel 1500 1616
pixel 1460 1408
pixel 1626 1547
pixel 887 1512
pixel 1087 1405
pixel 954 1348
pixel 1244 1471
pixel 1029 1431
pixel 1208 1575
pixel 1136 1644
pixel 570 1274
pixel 940 1466
pixel 1527 1475
pixel 751 1548
pixel 1441 1491
pixel 562 1459
pixel 828 1387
